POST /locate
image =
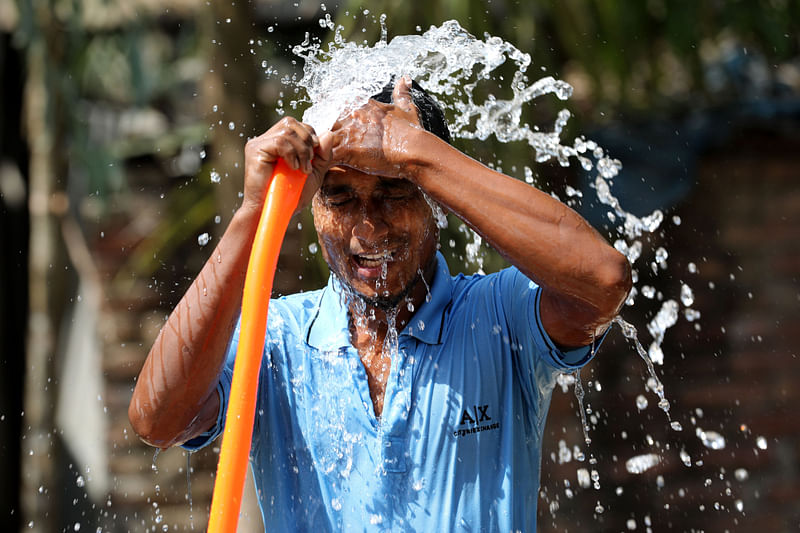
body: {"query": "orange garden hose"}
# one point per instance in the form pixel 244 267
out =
pixel 281 202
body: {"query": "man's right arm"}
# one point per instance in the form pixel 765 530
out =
pixel 175 396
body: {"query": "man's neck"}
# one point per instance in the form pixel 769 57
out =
pixel 370 321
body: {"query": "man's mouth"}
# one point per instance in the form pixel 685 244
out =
pixel 374 260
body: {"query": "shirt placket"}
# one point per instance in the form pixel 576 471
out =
pixel 393 425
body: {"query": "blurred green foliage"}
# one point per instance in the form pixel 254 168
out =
pixel 629 53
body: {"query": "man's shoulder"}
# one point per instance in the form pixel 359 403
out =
pixel 297 308
pixel 493 281
pixel 299 298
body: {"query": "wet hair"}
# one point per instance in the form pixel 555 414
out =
pixel 430 114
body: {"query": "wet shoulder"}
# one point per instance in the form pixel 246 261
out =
pixel 292 313
pixel 466 287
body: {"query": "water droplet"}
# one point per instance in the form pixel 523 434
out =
pixel 761 442
pixel 599 508
pixel 685 458
pixel 642 463
pixel 739 505
pixel 203 239
pixel 661 255
pixel 215 178
pixel 231 126
pixel 687 296
pixel 564 454
pixel 691 315
pixel 710 439
pixel 584 480
pixel 676 426
pixel 656 353
pixel 336 504
pixel 313 247
pixel 630 524
pixel 79 481
pixel 417 486
pixel 641 402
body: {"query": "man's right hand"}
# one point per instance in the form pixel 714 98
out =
pixel 297 144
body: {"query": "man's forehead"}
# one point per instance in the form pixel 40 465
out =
pixel 344 177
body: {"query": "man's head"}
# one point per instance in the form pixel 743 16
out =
pixel 430 114
pixel 379 234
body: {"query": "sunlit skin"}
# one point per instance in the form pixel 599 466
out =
pixel 369 170
pixel 375 233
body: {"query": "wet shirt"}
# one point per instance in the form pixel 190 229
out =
pixel 458 445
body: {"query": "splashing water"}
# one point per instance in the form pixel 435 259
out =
pixel 580 394
pixel 153 467
pixel 629 331
pixel 189 488
pixel 449 63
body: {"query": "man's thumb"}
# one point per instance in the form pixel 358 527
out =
pixel 322 154
pixel 401 95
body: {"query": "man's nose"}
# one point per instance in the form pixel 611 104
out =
pixel 372 227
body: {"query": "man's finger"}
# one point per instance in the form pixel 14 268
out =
pixel 323 151
pixel 401 95
pixel 340 151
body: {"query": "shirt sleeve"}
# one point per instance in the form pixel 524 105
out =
pixel 224 390
pixel 537 359
pixel 521 299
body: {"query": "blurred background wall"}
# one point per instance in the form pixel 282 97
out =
pixel 121 134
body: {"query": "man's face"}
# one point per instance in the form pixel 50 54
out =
pixel 376 234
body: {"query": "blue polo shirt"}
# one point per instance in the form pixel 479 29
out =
pixel 457 447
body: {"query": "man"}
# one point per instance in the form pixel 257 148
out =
pixel 397 397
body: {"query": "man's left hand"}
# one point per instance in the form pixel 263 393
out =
pixel 377 138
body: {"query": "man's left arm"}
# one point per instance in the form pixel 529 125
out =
pixel 584 280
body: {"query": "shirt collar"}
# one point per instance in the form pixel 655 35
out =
pixel 329 328
pixel 427 323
